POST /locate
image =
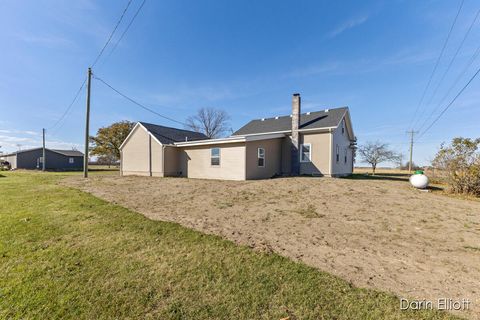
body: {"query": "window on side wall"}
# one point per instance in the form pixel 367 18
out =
pixel 305 152
pixel 261 157
pixel 337 153
pixel 345 157
pixel 71 160
pixel 343 126
pixel 215 156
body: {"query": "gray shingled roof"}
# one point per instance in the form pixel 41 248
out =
pixel 314 120
pixel 167 135
pixel 68 153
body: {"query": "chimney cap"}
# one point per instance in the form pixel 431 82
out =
pixel 296 94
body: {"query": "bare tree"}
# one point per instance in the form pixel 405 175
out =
pixel 375 153
pixel 209 121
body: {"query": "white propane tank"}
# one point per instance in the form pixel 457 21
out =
pixel 419 180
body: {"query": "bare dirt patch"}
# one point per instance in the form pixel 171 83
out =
pixel 375 233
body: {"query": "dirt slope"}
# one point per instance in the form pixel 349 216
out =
pixel 379 234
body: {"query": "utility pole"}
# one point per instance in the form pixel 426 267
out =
pixel 87 125
pixel 412 133
pixel 43 151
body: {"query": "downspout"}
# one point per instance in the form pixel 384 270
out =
pixel 331 152
pixel 150 154
pixel 121 163
pixel 163 160
pixel 245 166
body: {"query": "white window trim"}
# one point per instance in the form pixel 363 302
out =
pixel 258 157
pixel 71 160
pixel 219 157
pixel 309 153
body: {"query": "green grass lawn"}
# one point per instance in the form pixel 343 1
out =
pixel 67 254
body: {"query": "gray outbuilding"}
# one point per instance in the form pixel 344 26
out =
pixel 61 160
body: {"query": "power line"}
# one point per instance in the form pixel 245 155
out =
pixel 436 65
pixel 451 102
pixel 70 105
pixel 454 57
pixel 126 29
pixel 111 34
pixel 94 62
pixel 135 102
pixel 460 75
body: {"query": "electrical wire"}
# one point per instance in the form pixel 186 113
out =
pixel 136 102
pixel 459 77
pixel 450 104
pixel 126 29
pixel 111 35
pixel 69 106
pixel 436 66
pixel 95 62
pixel 448 69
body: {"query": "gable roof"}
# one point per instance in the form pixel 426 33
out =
pixel 327 118
pixel 168 135
pixel 67 153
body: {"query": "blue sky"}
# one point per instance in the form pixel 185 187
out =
pixel 246 57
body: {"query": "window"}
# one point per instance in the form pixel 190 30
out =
pixel 343 126
pixel 305 152
pixel 215 156
pixel 71 160
pixel 40 159
pixel 345 158
pixel 338 153
pixel 261 157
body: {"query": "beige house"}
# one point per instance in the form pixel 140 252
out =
pixel 318 143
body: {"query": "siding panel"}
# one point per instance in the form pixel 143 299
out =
pixel 196 162
pixel 273 159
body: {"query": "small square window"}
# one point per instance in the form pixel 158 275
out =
pixel 305 152
pixel 215 156
pixel 71 160
pixel 261 157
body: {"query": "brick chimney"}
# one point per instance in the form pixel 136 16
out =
pixel 295 148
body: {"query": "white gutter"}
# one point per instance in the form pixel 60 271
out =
pixel 233 139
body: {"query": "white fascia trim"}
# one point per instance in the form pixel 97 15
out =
pixel 326 129
pixel 262 133
pixel 265 136
pixel 131 133
pixel 210 141
pixel 233 139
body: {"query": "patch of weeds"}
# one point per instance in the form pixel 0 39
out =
pixel 472 248
pixel 310 212
pixel 224 204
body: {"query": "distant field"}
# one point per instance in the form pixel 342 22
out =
pixel 380 170
pixel 67 254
